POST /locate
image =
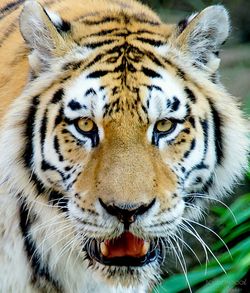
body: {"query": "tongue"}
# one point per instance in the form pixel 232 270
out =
pixel 126 245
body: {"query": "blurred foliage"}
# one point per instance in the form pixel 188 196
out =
pixel 231 268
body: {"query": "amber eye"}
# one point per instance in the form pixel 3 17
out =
pixel 164 125
pixel 85 125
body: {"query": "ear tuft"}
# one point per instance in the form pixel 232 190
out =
pixel 215 19
pixel 202 34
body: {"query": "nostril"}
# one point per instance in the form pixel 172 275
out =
pixel 126 215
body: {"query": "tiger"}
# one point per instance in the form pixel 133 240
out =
pixel 115 134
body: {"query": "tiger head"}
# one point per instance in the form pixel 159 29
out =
pixel 126 131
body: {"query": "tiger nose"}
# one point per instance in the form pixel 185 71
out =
pixel 126 215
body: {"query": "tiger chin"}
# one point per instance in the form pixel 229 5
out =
pixel 115 135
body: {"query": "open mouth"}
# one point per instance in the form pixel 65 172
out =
pixel 126 250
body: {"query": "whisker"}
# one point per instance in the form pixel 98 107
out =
pixel 189 224
pixel 198 238
pixel 207 228
pixel 188 246
pixel 63 250
pixel 46 238
pixel 183 268
pixel 201 195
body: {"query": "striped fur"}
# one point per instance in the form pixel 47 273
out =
pixel 116 63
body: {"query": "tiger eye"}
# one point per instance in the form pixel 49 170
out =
pixel 85 124
pixel 164 125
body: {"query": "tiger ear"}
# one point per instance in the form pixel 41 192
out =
pixel 44 33
pixel 202 34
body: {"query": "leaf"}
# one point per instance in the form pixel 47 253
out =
pixel 237 231
pixel 177 283
pixel 241 217
pixel 223 283
pixel 240 204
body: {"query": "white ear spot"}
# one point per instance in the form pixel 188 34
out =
pixel 55 18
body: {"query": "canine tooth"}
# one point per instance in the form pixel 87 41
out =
pixel 104 249
pixel 145 248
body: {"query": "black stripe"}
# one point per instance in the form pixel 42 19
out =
pixel 153 58
pixel 185 130
pixel 180 73
pixel 97 74
pixel 29 151
pixel 121 67
pixel 204 125
pixel 59 117
pixel 199 166
pixel 146 21
pixel 151 42
pixel 57 97
pixel 151 87
pixel 188 111
pixel 95 60
pixel 192 146
pixel 98 44
pixel 192 121
pixel 90 91
pixel 218 136
pixel 208 184
pixel 57 149
pixel 39 269
pixel 72 65
pixel 101 21
pixel 145 31
pixel 150 73
pixel 47 166
pixel 131 67
pixel 43 130
pixel 10 7
pixel 102 33
pixel 117 49
pixel 190 95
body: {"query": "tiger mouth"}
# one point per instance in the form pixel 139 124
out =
pixel 126 250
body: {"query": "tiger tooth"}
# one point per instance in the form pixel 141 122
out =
pixel 104 249
pixel 145 248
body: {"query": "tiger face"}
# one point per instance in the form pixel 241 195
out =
pixel 127 131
